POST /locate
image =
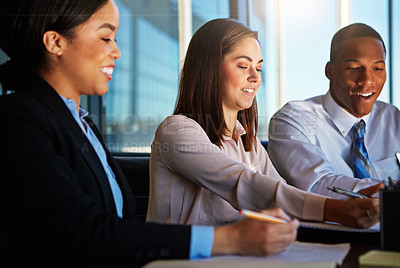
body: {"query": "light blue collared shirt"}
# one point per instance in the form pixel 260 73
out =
pixel 116 191
pixel 319 130
pixel 201 240
pixel 202 237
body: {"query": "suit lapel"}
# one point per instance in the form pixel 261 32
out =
pixel 50 98
pixel 93 162
pixel 129 202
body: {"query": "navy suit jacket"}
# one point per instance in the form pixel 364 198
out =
pixel 56 204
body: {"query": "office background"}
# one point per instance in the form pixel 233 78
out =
pixel 295 37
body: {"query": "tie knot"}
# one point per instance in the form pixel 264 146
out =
pixel 359 129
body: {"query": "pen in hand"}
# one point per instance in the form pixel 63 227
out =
pixel 260 216
pixel 346 192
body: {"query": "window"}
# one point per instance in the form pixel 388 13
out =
pixel 395 56
pixel 295 39
pixel 144 87
pixel 260 22
pixel 375 14
pixel 295 51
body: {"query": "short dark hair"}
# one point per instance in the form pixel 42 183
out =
pixel 23 24
pixel 352 31
pixel 201 80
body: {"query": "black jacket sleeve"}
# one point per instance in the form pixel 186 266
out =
pixel 55 201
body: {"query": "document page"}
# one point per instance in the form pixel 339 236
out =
pixel 298 255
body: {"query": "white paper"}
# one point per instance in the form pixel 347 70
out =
pixel 298 255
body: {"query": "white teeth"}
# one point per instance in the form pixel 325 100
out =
pixel 107 70
pixel 250 90
pixel 364 94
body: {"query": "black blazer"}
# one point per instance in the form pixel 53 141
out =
pixel 56 204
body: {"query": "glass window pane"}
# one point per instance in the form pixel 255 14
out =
pixel 375 14
pixel 144 85
pixel 307 30
pixel 295 38
pixel 395 57
pixel 206 10
pixel 262 24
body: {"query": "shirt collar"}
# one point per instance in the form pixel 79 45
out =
pixel 71 105
pixel 239 131
pixel 343 120
pixel 79 118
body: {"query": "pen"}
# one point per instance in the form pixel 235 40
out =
pixel 260 216
pixel 346 192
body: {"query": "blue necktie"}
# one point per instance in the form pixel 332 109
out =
pixel 362 164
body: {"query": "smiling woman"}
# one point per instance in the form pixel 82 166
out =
pixel 70 201
pixel 206 162
pixel 241 68
pixel 230 55
pixel 64 200
pixel 84 64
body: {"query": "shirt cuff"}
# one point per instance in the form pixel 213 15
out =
pixel 314 206
pixel 201 241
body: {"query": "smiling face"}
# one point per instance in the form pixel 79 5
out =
pixel 242 76
pixel 87 61
pixel 358 74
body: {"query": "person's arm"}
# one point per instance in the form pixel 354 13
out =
pixel 52 205
pixel 184 148
pixel 201 241
pixel 355 212
pixel 294 146
pixel 247 237
pixel 255 237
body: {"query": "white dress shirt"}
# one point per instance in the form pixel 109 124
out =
pixel 192 181
pixel 310 144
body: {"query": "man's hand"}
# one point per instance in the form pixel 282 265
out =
pixel 355 212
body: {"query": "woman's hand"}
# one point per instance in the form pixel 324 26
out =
pixel 255 237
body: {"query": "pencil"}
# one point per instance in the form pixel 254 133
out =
pixel 260 216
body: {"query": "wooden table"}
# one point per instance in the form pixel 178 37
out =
pixel 351 260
